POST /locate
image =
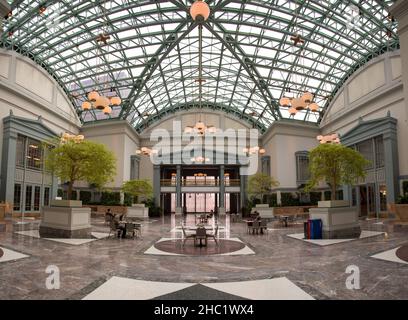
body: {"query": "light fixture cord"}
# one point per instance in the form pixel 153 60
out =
pixel 200 65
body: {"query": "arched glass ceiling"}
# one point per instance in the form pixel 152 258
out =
pixel 249 59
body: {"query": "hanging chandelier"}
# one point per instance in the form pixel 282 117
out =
pixel 96 100
pixel 66 137
pixel 200 12
pixel 333 139
pixel 295 105
pixel 305 100
pixel 200 160
pixel 146 151
pixel 254 150
pixel 200 128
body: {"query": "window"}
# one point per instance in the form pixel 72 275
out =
pixel 20 151
pixel 366 149
pixel 17 197
pixel 37 197
pixel 46 196
pixel 34 154
pixel 29 196
pixel 379 152
pixel 134 168
pixel 266 165
pixel 383 198
pixel 302 167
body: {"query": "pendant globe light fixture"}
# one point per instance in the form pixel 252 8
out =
pixel 200 12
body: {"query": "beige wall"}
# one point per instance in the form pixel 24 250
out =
pixel 281 142
pixel 121 139
pixel 371 94
pixel 29 92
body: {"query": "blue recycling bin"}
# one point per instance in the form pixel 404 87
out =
pixel 316 229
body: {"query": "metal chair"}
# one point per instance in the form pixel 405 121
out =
pixel 255 226
pixel 201 235
pixel 130 229
pixel 263 226
pixel 187 236
pixel 214 235
pixel 113 229
pixel 138 229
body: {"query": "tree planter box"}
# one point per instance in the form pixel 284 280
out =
pixel 137 211
pixel 59 222
pixel 338 222
pixel 66 203
pixel 401 211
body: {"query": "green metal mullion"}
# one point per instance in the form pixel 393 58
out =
pixel 231 49
pixel 148 71
pixel 277 18
pixel 219 72
pixel 181 72
pixel 131 5
pixel 188 106
pixel 262 87
pixel 373 17
pixel 165 84
pixel 235 86
pixel 29 14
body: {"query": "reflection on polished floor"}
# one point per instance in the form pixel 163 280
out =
pixel 319 271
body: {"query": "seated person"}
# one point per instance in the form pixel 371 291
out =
pixel 118 226
pixel 109 215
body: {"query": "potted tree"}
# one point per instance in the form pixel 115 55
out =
pixel 259 186
pixel 336 165
pixel 74 159
pixel 138 189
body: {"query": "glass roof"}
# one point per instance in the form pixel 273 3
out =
pixel 249 59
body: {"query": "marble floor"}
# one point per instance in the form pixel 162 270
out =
pixel 278 263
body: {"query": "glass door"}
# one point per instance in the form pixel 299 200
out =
pixel 372 203
pixel 363 201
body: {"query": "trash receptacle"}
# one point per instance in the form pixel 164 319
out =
pixel 316 229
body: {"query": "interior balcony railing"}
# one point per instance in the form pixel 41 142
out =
pixel 200 183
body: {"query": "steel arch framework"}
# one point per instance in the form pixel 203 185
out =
pixel 249 59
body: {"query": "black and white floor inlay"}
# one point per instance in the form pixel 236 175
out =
pixel 174 247
pixel 10 255
pixel 74 242
pixel 399 255
pixel 327 242
pixel 117 288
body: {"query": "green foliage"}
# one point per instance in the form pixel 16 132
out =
pixel 85 197
pixel 335 164
pixel 402 200
pixel 154 211
pixel 405 187
pixel 110 199
pixel 273 200
pixel 138 188
pixel 288 200
pixel 86 161
pixel 128 200
pixel 247 208
pixel 315 197
pixel 260 185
